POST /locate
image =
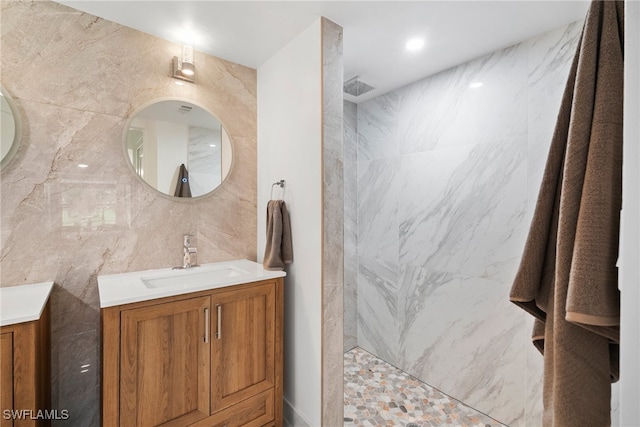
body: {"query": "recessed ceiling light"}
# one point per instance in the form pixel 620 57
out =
pixel 475 85
pixel 212 145
pixel 414 44
pixel 82 165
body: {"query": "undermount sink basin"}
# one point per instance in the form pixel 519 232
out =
pixel 193 278
pixel 137 286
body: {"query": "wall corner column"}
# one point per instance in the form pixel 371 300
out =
pixel 332 225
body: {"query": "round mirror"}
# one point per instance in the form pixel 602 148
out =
pixel 178 148
pixel 9 127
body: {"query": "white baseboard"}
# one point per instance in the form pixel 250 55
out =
pixel 292 418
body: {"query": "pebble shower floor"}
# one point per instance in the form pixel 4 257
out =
pixel 379 394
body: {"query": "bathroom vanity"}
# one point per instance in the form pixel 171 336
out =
pixel 25 355
pixel 193 347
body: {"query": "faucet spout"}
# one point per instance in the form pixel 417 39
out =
pixel 189 252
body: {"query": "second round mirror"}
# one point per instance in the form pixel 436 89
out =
pixel 10 127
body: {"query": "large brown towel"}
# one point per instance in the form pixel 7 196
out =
pixel 279 248
pixel 567 277
pixel 183 189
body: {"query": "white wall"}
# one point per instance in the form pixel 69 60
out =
pixel 289 148
pixel 630 232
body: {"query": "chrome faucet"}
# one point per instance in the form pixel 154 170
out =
pixel 188 253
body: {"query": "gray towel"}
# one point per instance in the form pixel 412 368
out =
pixel 182 187
pixel 279 250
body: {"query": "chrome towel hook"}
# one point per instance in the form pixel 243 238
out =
pixel 279 184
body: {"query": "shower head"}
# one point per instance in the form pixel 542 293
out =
pixel 356 87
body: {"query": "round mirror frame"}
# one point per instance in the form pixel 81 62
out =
pixel 131 167
pixel 17 136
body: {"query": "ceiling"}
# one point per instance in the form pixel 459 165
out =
pixel 375 32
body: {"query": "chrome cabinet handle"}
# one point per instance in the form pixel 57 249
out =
pixel 206 325
pixel 219 329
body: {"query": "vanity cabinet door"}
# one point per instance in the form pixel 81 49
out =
pixel 6 376
pixel 243 345
pixel 165 363
pixel 25 374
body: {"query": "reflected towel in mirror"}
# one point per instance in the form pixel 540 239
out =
pixel 182 187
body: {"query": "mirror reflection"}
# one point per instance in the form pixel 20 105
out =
pixel 9 128
pixel 178 148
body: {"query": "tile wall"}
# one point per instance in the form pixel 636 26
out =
pixel 76 79
pixel 447 177
pixel 332 224
pixel 350 226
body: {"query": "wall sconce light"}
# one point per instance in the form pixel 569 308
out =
pixel 184 67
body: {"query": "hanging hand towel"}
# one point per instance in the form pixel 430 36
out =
pixel 567 277
pixel 182 187
pixel 279 249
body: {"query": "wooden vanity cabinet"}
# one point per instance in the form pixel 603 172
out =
pixel 25 373
pixel 204 359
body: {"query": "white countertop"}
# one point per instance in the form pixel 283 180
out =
pixel 23 303
pixel 125 288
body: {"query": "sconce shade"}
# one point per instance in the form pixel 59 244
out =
pixel 184 67
pixel 188 69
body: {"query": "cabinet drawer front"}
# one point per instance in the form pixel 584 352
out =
pixel 165 364
pixel 253 412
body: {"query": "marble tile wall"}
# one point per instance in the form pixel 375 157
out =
pixel 447 176
pixel 76 79
pixel 350 226
pixel 332 225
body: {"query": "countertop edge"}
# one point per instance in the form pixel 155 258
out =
pixel 177 292
pixel 34 314
pixel 107 281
